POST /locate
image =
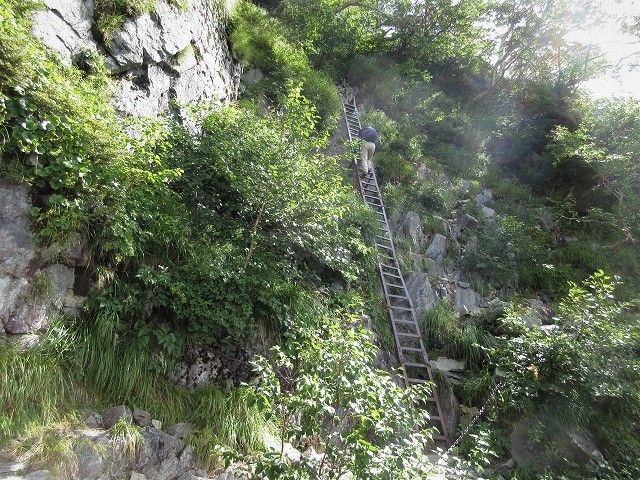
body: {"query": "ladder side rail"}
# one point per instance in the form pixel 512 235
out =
pixel 355 119
pixel 434 388
pixel 393 326
pixel 386 222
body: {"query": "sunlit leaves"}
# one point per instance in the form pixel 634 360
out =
pixel 325 392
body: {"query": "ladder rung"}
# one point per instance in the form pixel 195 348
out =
pixel 384 246
pixel 385 256
pixel 398 296
pixel 389 266
pixel 411 349
pixel 417 380
pixel 414 364
pixel 395 285
pixel 404 322
pixel 390 275
pixel 400 308
pixel 411 335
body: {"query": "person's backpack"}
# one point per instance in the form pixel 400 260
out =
pixel 368 134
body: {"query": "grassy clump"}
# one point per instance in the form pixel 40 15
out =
pixel 126 438
pixel 455 337
pixel 110 13
pixel 36 384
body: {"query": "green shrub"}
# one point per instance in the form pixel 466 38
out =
pixel 110 13
pixel 326 390
pixel 260 41
pixel 584 375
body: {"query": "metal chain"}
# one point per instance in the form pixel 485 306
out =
pixel 473 422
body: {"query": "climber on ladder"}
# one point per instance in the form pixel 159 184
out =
pixel 370 137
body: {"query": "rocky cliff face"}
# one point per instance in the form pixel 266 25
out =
pixel 161 60
pixel 35 283
pixel 166 58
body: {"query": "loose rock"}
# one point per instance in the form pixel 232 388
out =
pixel 111 416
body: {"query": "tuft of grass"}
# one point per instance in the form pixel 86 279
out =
pixel 126 438
pixel 473 390
pixel 473 343
pixel 456 338
pixel 51 447
pixel 225 418
pixel 439 326
pixel 36 384
pixel 110 13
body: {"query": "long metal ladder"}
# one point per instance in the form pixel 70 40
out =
pixel 412 354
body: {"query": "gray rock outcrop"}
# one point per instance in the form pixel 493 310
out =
pixel 466 298
pixel 31 291
pixel 437 248
pixel 411 229
pixel 420 292
pixel 21 310
pixel 576 446
pixel 169 55
pixel 484 198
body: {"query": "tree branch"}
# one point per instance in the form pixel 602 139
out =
pixel 357 3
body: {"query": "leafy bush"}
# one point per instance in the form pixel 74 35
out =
pixel 260 41
pixel 586 373
pixel 325 392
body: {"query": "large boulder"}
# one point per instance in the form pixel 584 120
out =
pixel 180 430
pixel 450 408
pixel 484 198
pixel 522 449
pixel 578 447
pixel 163 457
pixel 467 221
pixel 437 248
pixel 411 229
pixel 21 309
pixel 420 292
pixel 466 298
pixel 142 418
pixel 111 416
pixel 445 364
pixel 90 461
pixel 60 279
